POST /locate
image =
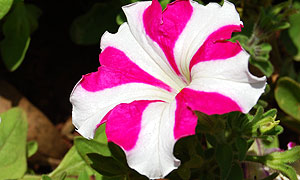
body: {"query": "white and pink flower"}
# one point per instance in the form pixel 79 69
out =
pixel 155 71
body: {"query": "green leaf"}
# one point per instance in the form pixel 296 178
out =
pixel 288 97
pixel 286 170
pixel 13 133
pixel 5 7
pixel 272 144
pixel 265 67
pixel 88 28
pixel 83 176
pixel 224 157
pixel 118 154
pixel 120 19
pixel 100 135
pixel 259 53
pixel 242 39
pixel 288 156
pixel 71 165
pixel 184 172
pixel 105 165
pixel 164 3
pixel 276 130
pixel 32 148
pixel 45 177
pixel 294 30
pixel 242 147
pixel 211 140
pixel 236 172
pixel 85 146
pixel 31 177
pixel 16 29
pixel 33 13
pixel 209 153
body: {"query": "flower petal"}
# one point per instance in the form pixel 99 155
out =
pixel 157 31
pixel 118 80
pixel 208 102
pixel 165 27
pixel 124 41
pixel 177 38
pixel 152 129
pixel 216 47
pixel 208 24
pixel 229 82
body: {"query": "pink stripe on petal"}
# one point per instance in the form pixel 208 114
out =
pixel 117 69
pixel 165 27
pixel 207 102
pixel 216 46
pixel 185 119
pixel 123 123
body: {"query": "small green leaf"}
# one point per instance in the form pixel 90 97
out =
pixel 265 67
pixel 5 7
pixel 211 140
pixel 120 19
pixel 16 29
pixel 31 177
pixel 164 3
pixel 83 176
pixel 261 103
pixel 45 177
pixel 285 169
pixel 209 153
pixel 33 13
pixel 242 39
pixel 118 154
pixel 106 166
pixel 236 172
pixel 199 1
pixel 288 156
pixel 282 25
pixel 85 146
pixel 274 131
pixel 242 147
pixel 13 133
pixel 88 28
pixel 32 148
pixel 184 172
pixel 294 30
pixel 224 157
pixel 272 144
pixel 100 135
pixel 288 97
pixel 71 165
pixel 271 113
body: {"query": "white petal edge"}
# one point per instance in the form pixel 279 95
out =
pixel 231 78
pixel 89 108
pixel 204 21
pixel 124 40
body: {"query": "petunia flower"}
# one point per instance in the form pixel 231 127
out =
pixel 155 71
